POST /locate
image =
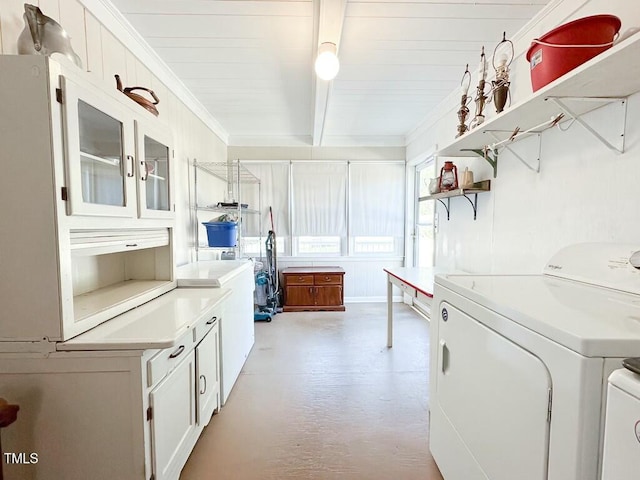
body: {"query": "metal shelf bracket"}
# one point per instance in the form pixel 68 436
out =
pixel 474 204
pixel 446 205
pixel 618 143
pixel 533 168
pixel 490 155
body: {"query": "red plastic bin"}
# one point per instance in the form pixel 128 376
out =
pixel 570 45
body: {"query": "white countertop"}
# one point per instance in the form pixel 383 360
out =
pixel 156 324
pixel 210 273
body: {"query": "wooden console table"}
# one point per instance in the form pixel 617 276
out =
pixel 313 288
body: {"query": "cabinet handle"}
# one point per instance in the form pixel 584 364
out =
pixel 177 352
pixel 131 245
pixel 212 320
pixel 143 168
pixel 326 279
pixel 202 377
pixel 132 164
pixel 311 290
pixel 444 355
pixel 299 279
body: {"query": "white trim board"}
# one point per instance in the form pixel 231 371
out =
pixel 109 16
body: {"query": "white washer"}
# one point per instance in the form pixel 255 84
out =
pixel 519 365
pixel 621 459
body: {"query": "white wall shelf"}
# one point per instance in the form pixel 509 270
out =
pixel 479 187
pixel 609 77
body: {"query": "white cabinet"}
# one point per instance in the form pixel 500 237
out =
pixel 173 421
pixel 208 375
pixel 118 164
pixel 126 400
pixel 90 233
pixel 99 152
pixel 154 161
pixel 237 330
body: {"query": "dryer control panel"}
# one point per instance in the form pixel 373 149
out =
pixel 610 265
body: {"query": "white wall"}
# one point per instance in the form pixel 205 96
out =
pixel 584 191
pixel 104 54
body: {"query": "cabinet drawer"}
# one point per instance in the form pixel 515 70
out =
pixel 295 279
pixel 166 360
pixel 327 279
pixel 201 330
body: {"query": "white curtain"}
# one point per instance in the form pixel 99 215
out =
pixel 376 199
pixel 319 198
pixel 274 193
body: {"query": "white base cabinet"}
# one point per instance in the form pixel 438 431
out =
pixel 115 414
pixel 173 419
pixel 237 330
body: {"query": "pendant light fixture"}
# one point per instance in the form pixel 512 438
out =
pixel 327 63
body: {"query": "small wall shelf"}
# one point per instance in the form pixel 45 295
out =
pixel 479 187
pixel 607 78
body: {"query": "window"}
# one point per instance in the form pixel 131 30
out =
pixel 376 208
pixel 328 208
pixel 424 228
pixel 319 204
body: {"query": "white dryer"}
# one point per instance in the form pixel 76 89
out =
pixel 519 365
pixel 621 459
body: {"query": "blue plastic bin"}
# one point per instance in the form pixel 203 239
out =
pixel 221 234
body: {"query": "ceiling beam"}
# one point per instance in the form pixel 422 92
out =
pixel 328 21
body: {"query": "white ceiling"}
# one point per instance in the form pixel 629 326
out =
pixel 250 62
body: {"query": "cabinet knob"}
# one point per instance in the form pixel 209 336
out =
pixel 326 279
pixel 300 279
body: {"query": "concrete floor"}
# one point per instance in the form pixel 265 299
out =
pixel 322 397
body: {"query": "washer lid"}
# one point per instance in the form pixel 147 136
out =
pixel 593 321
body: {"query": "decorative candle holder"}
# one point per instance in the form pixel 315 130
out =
pixel 463 111
pixel 481 98
pixel 500 86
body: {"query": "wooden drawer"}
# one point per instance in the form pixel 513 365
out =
pixel 327 279
pixel 297 279
pixel 166 360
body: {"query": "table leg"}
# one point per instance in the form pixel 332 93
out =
pixel 389 312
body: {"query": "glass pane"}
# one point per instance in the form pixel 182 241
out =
pixel 101 157
pixel 425 176
pixel 374 245
pixel 425 211
pixel 425 246
pixel 316 245
pixel 156 158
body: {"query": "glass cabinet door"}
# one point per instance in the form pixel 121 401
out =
pixel 99 141
pixel 154 172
